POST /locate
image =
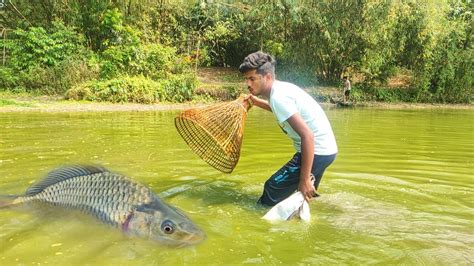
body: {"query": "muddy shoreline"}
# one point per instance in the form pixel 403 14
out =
pixel 52 104
pixel 109 107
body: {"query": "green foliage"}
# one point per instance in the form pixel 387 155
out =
pixel 114 33
pixel 53 80
pixel 137 89
pixel 37 47
pixel 234 91
pixel 274 48
pixel 216 39
pixel 452 77
pixel 8 78
pixel 119 90
pixel 204 32
pixel 5 102
pixel 220 93
pixel 50 61
pixel 88 17
pixel 124 54
pixel 151 60
pixel 314 42
pixel 180 88
pixel 369 93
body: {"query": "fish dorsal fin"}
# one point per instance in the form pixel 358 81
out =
pixel 62 174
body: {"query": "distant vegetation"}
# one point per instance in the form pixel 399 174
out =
pixel 149 51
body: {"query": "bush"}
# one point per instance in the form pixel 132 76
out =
pixel 221 93
pixel 49 80
pixel 136 89
pixel 154 61
pixel 365 92
pixel 8 78
pixel 46 61
pixel 37 47
pixel 119 90
pixel 180 88
pixel 452 79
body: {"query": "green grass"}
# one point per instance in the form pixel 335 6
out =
pixel 9 102
pixel 232 77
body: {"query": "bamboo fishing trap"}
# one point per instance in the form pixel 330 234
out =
pixel 215 132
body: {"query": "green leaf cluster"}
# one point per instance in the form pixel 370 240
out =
pixel 58 61
pixel 37 47
pixel 314 42
pixel 136 89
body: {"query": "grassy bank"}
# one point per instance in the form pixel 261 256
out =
pixel 22 103
pixel 215 85
pixel 10 102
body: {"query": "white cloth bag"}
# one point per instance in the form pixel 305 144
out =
pixel 294 205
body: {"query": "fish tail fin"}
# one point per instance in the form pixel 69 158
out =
pixel 7 201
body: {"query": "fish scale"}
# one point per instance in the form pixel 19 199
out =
pixel 101 194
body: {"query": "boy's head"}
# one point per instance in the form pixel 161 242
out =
pixel 261 62
pixel 259 71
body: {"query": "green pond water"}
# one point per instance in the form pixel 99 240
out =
pixel 401 190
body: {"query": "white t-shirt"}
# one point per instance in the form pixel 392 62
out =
pixel 347 85
pixel 287 99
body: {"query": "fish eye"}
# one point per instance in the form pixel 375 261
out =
pixel 168 227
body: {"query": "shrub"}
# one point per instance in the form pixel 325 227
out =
pixel 365 92
pixel 180 88
pixel 46 61
pixel 136 89
pixel 153 61
pixel 8 78
pixel 124 89
pixel 221 93
pixel 39 47
pixel 49 80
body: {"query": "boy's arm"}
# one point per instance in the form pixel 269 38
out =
pixel 306 186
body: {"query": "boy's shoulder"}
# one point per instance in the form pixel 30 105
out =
pixel 283 88
pixel 284 84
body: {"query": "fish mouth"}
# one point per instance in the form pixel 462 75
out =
pixel 192 239
pixel 183 241
pixel 195 238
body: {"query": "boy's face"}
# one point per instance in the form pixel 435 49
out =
pixel 256 83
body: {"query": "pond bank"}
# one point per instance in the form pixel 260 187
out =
pixel 28 103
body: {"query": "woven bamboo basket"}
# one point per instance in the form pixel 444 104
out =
pixel 215 132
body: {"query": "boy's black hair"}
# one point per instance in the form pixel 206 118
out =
pixel 262 62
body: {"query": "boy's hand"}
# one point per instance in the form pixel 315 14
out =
pixel 250 99
pixel 306 188
pixel 247 102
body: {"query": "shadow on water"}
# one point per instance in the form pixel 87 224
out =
pixel 32 216
pixel 216 192
pixel 67 234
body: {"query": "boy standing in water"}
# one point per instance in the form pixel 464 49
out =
pixel 302 119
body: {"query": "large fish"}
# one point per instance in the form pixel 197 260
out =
pixel 116 200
